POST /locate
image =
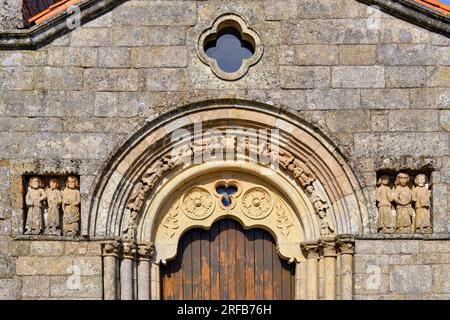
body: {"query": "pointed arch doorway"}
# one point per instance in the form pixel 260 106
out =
pixel 227 263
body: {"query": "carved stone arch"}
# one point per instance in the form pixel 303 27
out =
pixel 130 193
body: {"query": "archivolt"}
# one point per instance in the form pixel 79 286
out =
pixel 321 166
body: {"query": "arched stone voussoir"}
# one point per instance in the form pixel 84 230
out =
pixel 132 177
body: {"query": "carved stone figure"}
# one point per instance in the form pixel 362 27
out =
pixel 321 207
pixel 403 200
pixel 384 197
pixel 71 207
pixel 155 172
pixel 421 195
pixel 301 173
pixel 34 199
pixel 54 200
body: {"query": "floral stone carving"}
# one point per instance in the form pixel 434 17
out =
pixel 198 204
pixel 257 203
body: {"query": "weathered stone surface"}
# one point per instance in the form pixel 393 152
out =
pixel 35 286
pixel 166 80
pixel 44 265
pixel 384 98
pixel 11 13
pixel 304 77
pixel 46 248
pixel 398 144
pixel 376 85
pixel 90 37
pixel 414 120
pixel 357 55
pixel 406 77
pixel 9 289
pixel 348 121
pixel 405 54
pixel 413 279
pixel 309 55
pixel 159 57
pixel 75 286
pixel 143 13
pixel 358 77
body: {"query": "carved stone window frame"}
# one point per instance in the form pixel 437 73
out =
pixel 247 34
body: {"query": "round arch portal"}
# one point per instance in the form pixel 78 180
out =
pixel 308 173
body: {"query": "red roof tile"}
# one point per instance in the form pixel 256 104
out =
pixel 51 10
pixel 437 5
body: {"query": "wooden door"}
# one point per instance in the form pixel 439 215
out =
pixel 227 263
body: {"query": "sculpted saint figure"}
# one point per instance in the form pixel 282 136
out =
pixel 321 206
pixel 71 207
pixel 403 200
pixel 155 172
pixel 422 198
pixel 54 200
pixel 385 196
pixel 301 173
pixel 34 199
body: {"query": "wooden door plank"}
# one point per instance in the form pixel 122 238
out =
pixel 187 266
pixel 232 247
pixel 276 274
pixel 196 264
pixel 259 264
pixel 223 263
pixel 250 265
pixel 205 265
pixel 240 262
pixel 268 266
pixel 215 269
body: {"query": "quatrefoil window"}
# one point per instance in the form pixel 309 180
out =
pixel 229 47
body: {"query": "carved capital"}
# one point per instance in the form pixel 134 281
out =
pixel 110 249
pixel 346 244
pixel 328 247
pixel 145 251
pixel 311 249
pixel 129 250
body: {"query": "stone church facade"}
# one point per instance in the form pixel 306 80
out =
pixel 135 164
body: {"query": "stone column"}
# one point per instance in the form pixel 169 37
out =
pixel 300 280
pixel 312 270
pixel 346 248
pixel 110 253
pixel 126 270
pixel 155 286
pixel 145 251
pixel 329 253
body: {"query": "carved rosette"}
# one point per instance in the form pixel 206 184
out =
pixel 257 203
pixel 198 204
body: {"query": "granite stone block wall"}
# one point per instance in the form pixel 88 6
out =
pixel 380 89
